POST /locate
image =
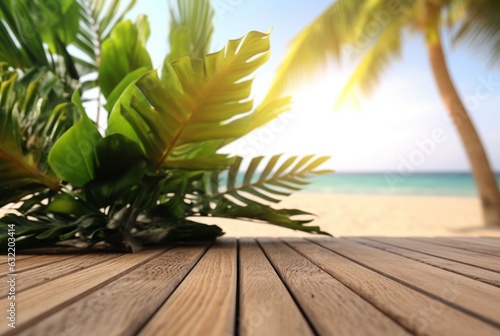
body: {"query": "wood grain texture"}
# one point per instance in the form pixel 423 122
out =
pixel 205 302
pixel 469 295
pixel 347 286
pixel 41 301
pixel 417 312
pixel 479 274
pixel 463 256
pixel 472 245
pixel 476 273
pixel 46 273
pixel 480 241
pixel 331 307
pixel 123 306
pixel 23 256
pixel 265 305
pixel 30 263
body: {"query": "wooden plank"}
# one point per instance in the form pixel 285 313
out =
pixel 486 261
pixel 417 312
pixel 46 273
pixel 205 302
pixel 30 263
pixel 471 296
pixel 475 273
pixel 23 256
pixel 40 301
pixel 265 306
pixel 331 307
pixel 480 241
pixel 123 306
pixel 461 245
pixel 492 239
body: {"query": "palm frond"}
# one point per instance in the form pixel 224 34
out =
pixel 321 41
pixel 191 29
pixel 43 110
pixel 478 28
pixel 247 200
pixel 23 46
pixel 378 57
pixel 37 33
pixel 351 29
pixel 98 17
pixel 20 173
pixel 270 185
pixel 198 100
pixel 267 215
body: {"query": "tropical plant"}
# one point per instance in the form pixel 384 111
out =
pixel 159 166
pixel 375 31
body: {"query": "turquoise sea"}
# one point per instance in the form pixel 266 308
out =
pixel 437 184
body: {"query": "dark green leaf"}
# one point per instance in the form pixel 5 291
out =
pixel 73 156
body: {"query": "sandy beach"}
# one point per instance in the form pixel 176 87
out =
pixel 363 215
pixel 373 215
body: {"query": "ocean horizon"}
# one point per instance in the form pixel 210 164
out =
pixel 430 184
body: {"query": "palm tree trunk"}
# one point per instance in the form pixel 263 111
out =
pixel 481 170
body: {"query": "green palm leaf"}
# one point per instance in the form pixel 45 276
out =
pixel 38 33
pixel 197 100
pixel 265 214
pixel 357 29
pixel 98 17
pixel 23 45
pixel 246 200
pixel 478 27
pixel 20 172
pixel 191 29
pixel 369 70
pixel 270 185
pixel 124 52
pixel 316 44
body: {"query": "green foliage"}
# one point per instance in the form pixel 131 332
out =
pixel 195 101
pixel 247 200
pixel 32 117
pixel 124 52
pixel 158 167
pixel 73 157
pixel 191 29
pixel 274 181
pixel 97 20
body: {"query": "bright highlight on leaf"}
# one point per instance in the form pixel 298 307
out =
pixel 197 100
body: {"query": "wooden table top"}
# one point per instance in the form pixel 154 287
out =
pixel 268 286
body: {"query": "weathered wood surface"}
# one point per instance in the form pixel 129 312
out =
pixel 264 286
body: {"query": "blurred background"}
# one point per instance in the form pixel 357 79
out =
pixel 397 140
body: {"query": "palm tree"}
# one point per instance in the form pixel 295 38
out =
pixel 375 30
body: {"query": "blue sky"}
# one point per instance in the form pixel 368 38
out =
pixel 396 127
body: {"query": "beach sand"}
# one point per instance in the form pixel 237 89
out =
pixel 376 215
pixel 373 215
